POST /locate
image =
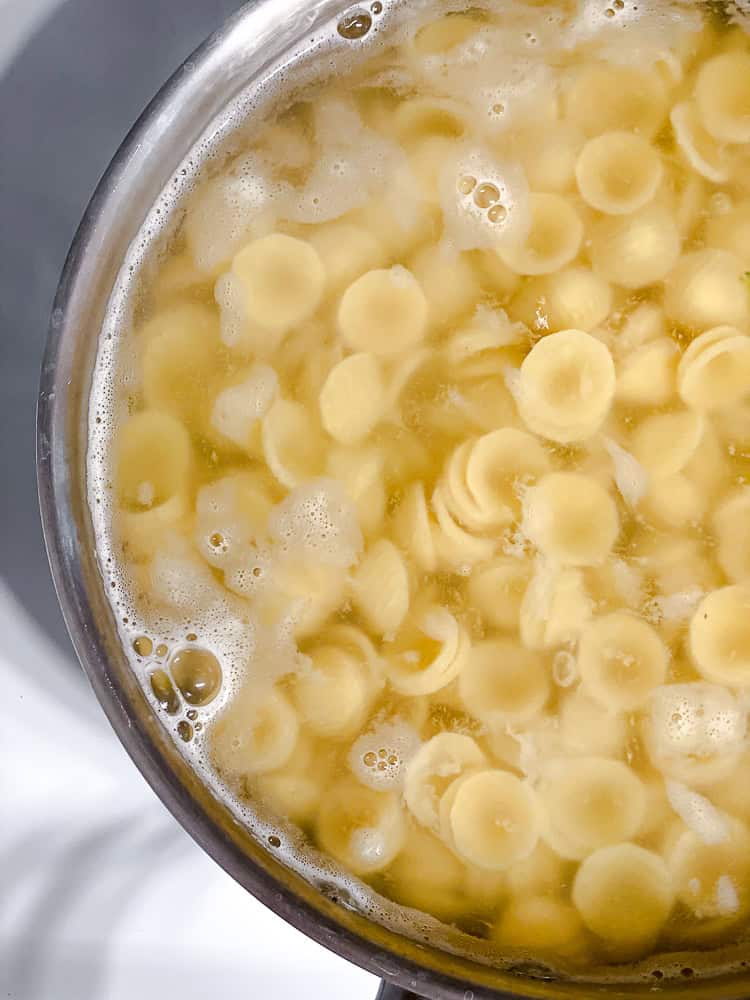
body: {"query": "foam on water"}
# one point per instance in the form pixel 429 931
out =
pixel 242 200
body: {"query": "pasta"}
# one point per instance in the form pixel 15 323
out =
pixel 437 764
pixel 571 519
pixel 494 820
pixel 291 447
pixel 606 97
pixel 497 590
pixel 699 869
pixel 541 924
pixel 566 386
pixel 502 684
pixel 572 298
pixel 715 369
pixel 555 607
pixel 256 734
pixel 624 895
pixel 413 529
pixel 586 727
pixel 720 636
pixel 618 172
pixel 665 443
pixel 700 149
pixel 731 527
pixel 380 587
pixel 364 829
pixel 153 461
pixel 638 249
pixel 237 409
pixel 706 290
pixel 346 251
pixel 332 696
pixel 722 95
pixel 283 280
pixel 621 659
pixel 352 398
pixel 591 802
pixel 427 657
pixel 383 311
pixel 648 375
pixel 554 238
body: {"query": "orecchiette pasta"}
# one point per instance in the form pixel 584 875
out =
pixel 352 399
pixel 384 311
pixel 413 529
pixel 497 589
pixel 554 608
pixel 646 377
pixel 362 828
pixel 621 659
pixel 731 527
pixel 380 587
pixel 588 727
pixel 566 386
pixel 332 696
pixel 437 763
pixel 553 240
pixel 429 655
pixel 706 289
pixel 714 371
pixel 292 446
pixel 590 802
pixel 238 408
pixel 494 819
pixel 624 895
pixel 722 94
pixel 730 230
pixel 618 172
pixel 502 683
pixel 571 519
pixel 572 298
pixel 636 250
pixel 713 879
pixel 152 462
pixel 347 251
pixel 665 443
pixel 255 734
pixel 604 96
pixel 701 150
pixel 541 924
pixel 720 636
pixel 283 279
pixel 448 281
pixel 361 472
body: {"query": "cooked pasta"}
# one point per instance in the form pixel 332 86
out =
pixel 430 447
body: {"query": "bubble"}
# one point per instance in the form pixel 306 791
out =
pixel 376 8
pixel 466 184
pixel 274 841
pixel 379 757
pixel 197 674
pixel 185 731
pixel 164 692
pixel 143 646
pixel 192 714
pixel 355 25
pixel 486 195
pixel 161 650
pixel 497 213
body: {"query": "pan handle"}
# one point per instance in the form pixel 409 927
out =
pixel 388 991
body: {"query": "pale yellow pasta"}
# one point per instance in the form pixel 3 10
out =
pixel 665 442
pixel 554 608
pixel 549 155
pixel 428 876
pixel 713 879
pixel 360 827
pixel 588 727
pixel 413 528
pixel 418 117
pixel 499 465
pixel 352 400
pixel 571 519
pixel 714 371
pixel 437 763
pixel 730 230
pixel 624 895
pixel 428 656
pixel 283 279
pixel 539 925
pixel 230 513
pixel 621 659
pixel 636 250
pixel 604 96
pixel 153 460
pixel 494 820
pixel 360 470
pixel 380 587
pixel 383 311
pixel 731 528
pixel 674 501
pixel 346 251
pixel 706 289
pixel 238 408
pixel 711 159
pixel 553 240
pixel 292 445
pixel 309 591
pixel 571 298
pixel 642 325
pixel 141 533
pixel 722 94
pixel 590 802
pixel 541 873
pixel 255 734
pixel 647 375
pixel 496 591
pixel 430 156
pixel 332 696
pixel 502 683
pixel 720 636
pixel 566 386
pixel 454 545
pixel 618 172
pixel 448 282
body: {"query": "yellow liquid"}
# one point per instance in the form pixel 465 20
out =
pixel 462 464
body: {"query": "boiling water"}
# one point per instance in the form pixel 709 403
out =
pixel 418 453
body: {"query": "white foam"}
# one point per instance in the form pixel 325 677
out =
pixel 318 522
pixel 727 899
pixel 697 813
pixel 630 476
pixel 239 407
pixel 695 719
pixel 380 756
